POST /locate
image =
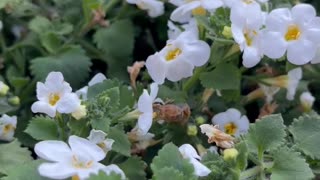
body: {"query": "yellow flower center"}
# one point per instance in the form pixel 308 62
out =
pixel 230 128
pixel 7 128
pixel 249 35
pixel 81 164
pixel 293 33
pixel 200 11
pixel 102 145
pixel 75 177
pixel 53 99
pixel 248 1
pixel 173 54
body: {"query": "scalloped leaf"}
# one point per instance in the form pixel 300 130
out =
pixel 266 134
pixel 42 128
pixel 121 142
pixel 289 165
pixel 170 157
pixel 306 134
pixel 104 176
pixel 166 172
pixel 133 168
pixel 12 155
pixel 72 63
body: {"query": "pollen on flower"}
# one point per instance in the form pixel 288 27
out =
pixel 293 33
pixel 75 178
pixel 7 128
pixel 53 98
pixel 230 128
pixel 249 37
pixel 200 11
pixel 173 54
pixel 81 164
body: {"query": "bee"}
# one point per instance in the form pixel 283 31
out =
pixel 172 113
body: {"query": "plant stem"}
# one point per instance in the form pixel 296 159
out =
pixel 191 81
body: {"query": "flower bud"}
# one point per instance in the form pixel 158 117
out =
pixel 15 100
pixel 230 154
pixel 3 89
pixel 81 112
pixel 192 130
pixel 227 32
pixel 200 120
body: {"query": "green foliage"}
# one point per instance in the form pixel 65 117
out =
pixel 306 133
pixel 167 172
pixel 170 158
pixel 133 168
pixel 27 171
pixel 12 155
pixel 266 134
pixel 104 176
pixel 289 165
pixel 242 158
pixel 121 142
pixel 74 72
pixel 43 128
pixel 224 77
pixel 5 106
pixel 218 167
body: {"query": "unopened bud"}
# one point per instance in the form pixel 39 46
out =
pixel 192 130
pixel 227 33
pixel 15 100
pixel 230 154
pixel 3 89
pixel 81 112
pixel 200 120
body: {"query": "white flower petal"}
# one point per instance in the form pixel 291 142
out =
pixel 278 20
pixel 145 122
pixel 108 144
pixel 242 125
pixel 145 102
pixel 97 136
pixel 274 45
pixel 85 147
pixel 211 5
pixel 301 52
pixel 197 53
pixel 42 92
pixel 200 169
pixel 189 152
pixel 156 68
pixel 221 119
pixel 154 90
pixel 303 13
pixel 251 57
pixel 98 78
pixel 94 169
pixel 42 107
pixel 56 151
pixel 55 83
pixel 233 114
pixel 179 69
pixel 82 93
pixel 183 13
pixel 68 103
pixel 56 170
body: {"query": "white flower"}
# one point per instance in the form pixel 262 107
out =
pixel 178 58
pixel 55 95
pixel 296 31
pixel 174 31
pixel 80 159
pixel 186 9
pixel 98 78
pixel 307 100
pixel 98 137
pixel 316 58
pixel 154 7
pixel 289 81
pixel 231 122
pixel 7 127
pixel 114 168
pixel 213 149
pixel 269 92
pixel 145 106
pixel 188 152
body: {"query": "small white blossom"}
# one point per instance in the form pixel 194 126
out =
pixel 295 31
pixel 98 78
pixel 55 95
pixel 145 106
pixel 174 31
pixel 98 137
pixel 307 100
pixel 188 152
pixel 186 9
pixel 231 122
pixel 289 81
pixel 79 160
pixel 154 8
pixel 178 58
pixel 8 125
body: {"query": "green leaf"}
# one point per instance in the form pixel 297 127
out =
pixel 40 25
pixel 219 168
pixel 79 127
pixel 170 157
pixel 88 6
pixel 51 42
pixel 103 176
pixel 168 93
pixel 5 106
pixel 27 171
pixel 43 128
pixel 266 134
pixel 12 155
pixel 168 173
pixel 133 168
pixel 72 63
pixel 121 142
pixel 224 77
pixel 289 165
pixel 242 158
pixel 306 134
